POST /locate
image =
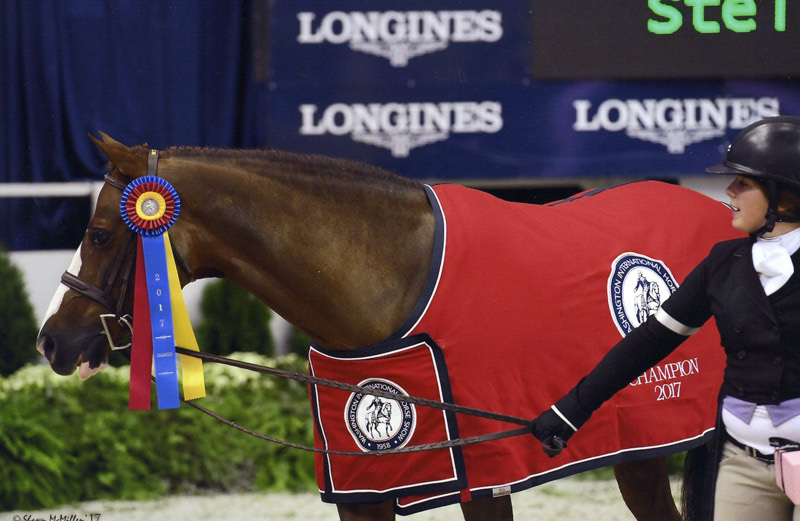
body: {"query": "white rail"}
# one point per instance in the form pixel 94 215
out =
pixel 74 189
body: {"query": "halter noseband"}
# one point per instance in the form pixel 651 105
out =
pixel 123 264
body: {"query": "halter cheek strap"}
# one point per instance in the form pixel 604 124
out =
pixel 113 181
pixel 152 162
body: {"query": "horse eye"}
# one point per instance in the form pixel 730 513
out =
pixel 99 237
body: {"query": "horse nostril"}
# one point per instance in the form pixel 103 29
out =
pixel 45 346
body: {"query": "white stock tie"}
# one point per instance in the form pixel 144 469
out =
pixel 772 259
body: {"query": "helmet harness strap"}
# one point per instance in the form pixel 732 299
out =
pixel 773 216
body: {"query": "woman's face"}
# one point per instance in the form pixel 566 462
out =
pixel 749 201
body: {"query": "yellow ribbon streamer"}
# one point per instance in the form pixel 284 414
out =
pixel 191 368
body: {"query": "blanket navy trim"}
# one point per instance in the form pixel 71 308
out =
pixel 432 280
pixel 434 272
pixel 590 193
pixel 315 413
pixel 558 473
pixel 456 483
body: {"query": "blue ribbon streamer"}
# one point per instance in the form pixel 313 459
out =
pixel 164 357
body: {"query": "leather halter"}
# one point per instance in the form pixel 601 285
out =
pixel 123 266
pixel 124 262
pixel 125 257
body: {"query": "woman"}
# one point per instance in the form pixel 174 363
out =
pixel 750 288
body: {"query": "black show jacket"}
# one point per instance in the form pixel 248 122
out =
pixel 760 333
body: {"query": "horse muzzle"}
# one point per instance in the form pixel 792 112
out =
pixel 67 348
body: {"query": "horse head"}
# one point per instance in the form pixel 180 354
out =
pixel 76 331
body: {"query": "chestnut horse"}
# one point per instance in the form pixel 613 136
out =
pixel 338 248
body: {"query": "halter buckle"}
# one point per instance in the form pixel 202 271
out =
pixel 123 320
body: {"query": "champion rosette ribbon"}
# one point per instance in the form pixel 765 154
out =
pixel 149 207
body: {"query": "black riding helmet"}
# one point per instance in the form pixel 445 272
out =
pixel 768 150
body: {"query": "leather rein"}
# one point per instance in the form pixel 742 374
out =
pixel 313 380
pixel 123 266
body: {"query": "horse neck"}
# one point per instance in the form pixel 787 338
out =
pixel 342 257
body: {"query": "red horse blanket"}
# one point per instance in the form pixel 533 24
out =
pixel 523 300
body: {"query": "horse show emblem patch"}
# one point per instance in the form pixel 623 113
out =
pixel 378 423
pixel 637 286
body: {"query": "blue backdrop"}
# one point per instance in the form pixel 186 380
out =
pixel 165 73
pixel 433 89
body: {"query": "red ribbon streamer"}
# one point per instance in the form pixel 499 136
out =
pixel 142 340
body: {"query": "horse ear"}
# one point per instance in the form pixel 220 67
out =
pixel 129 161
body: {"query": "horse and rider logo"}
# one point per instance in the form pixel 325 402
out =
pixel 637 286
pixel 378 423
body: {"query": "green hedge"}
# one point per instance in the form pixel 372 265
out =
pixel 17 323
pixel 63 440
pixel 233 320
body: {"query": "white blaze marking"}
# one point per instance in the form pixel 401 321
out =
pixel 55 304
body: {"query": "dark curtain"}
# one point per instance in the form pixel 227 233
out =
pixel 164 73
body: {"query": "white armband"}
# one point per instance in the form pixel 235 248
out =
pixel 673 325
pixel 555 410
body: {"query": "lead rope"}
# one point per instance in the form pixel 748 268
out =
pixel 313 380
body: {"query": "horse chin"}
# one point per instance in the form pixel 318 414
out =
pixel 87 372
pixel 93 359
pixel 90 360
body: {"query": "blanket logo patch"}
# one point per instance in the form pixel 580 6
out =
pixel 637 286
pixel 378 423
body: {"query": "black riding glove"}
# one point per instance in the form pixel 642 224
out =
pixel 553 428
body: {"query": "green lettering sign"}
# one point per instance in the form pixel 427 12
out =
pixel 734 10
pixel 674 18
pixel 699 21
pixel 780 15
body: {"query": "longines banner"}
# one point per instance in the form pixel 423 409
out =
pixel 454 91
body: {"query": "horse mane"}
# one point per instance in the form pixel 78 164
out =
pixel 318 167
